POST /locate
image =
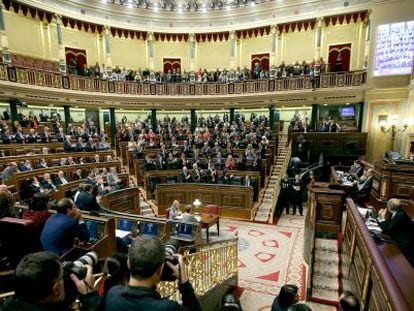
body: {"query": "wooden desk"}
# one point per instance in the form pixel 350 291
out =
pixel 380 275
pixel 125 200
pixel 207 221
pixel 234 201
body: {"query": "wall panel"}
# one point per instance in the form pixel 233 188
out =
pixel 212 55
pixel 82 40
pixel 254 46
pixel 168 49
pixel 341 34
pixel 128 53
pixel 298 46
pixel 23 35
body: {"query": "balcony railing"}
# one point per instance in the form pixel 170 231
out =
pixel 78 83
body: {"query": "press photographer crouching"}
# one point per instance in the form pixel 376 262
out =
pixel 146 262
pixel 40 285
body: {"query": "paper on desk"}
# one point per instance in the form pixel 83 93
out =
pixel 121 233
pixel 363 211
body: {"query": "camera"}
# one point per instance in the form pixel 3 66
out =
pixel 171 248
pixel 76 267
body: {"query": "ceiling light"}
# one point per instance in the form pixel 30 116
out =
pixel 252 3
pixel 204 10
pixel 228 8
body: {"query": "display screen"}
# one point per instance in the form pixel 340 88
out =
pixel 347 112
pixel 395 49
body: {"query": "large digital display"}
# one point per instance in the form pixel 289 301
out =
pixel 395 49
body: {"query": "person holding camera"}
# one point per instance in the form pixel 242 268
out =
pixel 147 263
pixel 41 286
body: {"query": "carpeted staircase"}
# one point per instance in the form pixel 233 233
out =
pixel 271 192
pixel 326 273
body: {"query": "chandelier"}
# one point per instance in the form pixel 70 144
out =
pixel 185 5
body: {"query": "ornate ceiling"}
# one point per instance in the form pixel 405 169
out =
pixel 156 15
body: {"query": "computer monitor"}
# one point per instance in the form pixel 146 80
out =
pixel 148 228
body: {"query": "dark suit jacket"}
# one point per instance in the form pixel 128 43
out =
pixel 87 202
pixel 401 229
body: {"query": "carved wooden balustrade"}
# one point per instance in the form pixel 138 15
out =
pixel 79 83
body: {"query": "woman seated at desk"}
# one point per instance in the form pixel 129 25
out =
pixel 174 210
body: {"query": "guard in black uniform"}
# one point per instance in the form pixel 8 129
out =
pixel 283 201
pixel 296 195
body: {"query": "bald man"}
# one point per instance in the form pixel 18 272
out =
pixel 395 222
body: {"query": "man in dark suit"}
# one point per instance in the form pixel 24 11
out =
pixel 67 145
pixel 6 138
pixel 86 201
pixel 61 179
pixel 45 136
pixel 395 222
pixel 62 228
pixel 47 183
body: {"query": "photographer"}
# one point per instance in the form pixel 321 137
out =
pixel 39 286
pixel 146 262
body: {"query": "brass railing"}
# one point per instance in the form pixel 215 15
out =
pixel 79 83
pixel 210 265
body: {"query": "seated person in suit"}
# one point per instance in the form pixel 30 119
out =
pixel 61 229
pixel 362 189
pixel 31 138
pixel 7 174
pixel 187 216
pixel 113 180
pixel 38 211
pixel 25 166
pixel 6 137
pixel 34 185
pixel 6 204
pixel 395 222
pixel 47 183
pixel 86 201
pixel 174 210
pixel 185 175
pixel 61 179
pixel 356 170
pixel 42 164
pixel 67 144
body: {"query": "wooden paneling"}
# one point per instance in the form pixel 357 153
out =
pixel 234 201
pixel 381 276
pixel 125 201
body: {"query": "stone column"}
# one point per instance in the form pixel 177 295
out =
pixel 271 116
pixel 193 119
pixel 108 50
pixel 232 49
pixel 112 120
pixel 13 109
pixel 274 46
pixel 314 116
pixel 4 43
pixel 150 45
pixel 318 45
pixel 66 110
pixel 154 119
pixel 367 25
pixel 192 52
pixel 62 61
pixel 231 115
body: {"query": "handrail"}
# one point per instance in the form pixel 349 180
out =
pixel 45 78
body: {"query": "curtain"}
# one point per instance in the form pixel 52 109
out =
pixel 339 57
pixel 171 63
pixel 263 59
pixel 71 54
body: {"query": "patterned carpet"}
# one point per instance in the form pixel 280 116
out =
pixel 269 257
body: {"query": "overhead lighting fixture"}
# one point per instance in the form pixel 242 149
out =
pixel 228 7
pixel 252 3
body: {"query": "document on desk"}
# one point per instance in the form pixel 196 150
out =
pixel 121 233
pixel 363 211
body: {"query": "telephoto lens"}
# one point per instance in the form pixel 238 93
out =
pixel 171 248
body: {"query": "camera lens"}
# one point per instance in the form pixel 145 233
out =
pixel 90 258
